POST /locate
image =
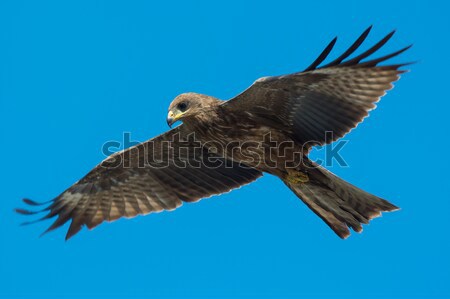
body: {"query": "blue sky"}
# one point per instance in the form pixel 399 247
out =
pixel 75 74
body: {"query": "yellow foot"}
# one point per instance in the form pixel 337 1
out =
pixel 295 177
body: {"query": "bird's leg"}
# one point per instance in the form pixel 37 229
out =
pixel 295 176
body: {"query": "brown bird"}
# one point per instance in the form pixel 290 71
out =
pixel 222 145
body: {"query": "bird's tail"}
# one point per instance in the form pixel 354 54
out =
pixel 340 204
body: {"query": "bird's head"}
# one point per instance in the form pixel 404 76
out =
pixel 188 105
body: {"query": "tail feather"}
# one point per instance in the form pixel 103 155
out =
pixel 340 204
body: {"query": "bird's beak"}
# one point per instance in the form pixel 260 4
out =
pixel 173 116
pixel 170 119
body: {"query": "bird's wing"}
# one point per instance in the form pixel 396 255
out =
pixel 334 97
pixel 151 177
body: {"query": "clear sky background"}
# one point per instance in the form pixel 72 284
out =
pixel 75 74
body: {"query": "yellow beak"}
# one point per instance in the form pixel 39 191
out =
pixel 173 117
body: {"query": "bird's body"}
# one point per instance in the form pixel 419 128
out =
pixel 242 138
pixel 221 145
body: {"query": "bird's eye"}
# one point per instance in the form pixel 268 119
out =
pixel 182 106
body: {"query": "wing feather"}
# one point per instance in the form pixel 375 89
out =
pixel 330 98
pixel 111 191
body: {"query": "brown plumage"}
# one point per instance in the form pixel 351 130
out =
pixel 223 145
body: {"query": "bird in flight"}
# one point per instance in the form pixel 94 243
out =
pixel 222 145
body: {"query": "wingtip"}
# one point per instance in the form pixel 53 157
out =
pixel 402 71
pixel 392 208
pixel 69 235
pixel 323 55
pixel 386 38
pixel 368 29
pixel 49 229
pixel 43 233
pixel 333 42
pixel 24 211
pixel 25 223
pixel 74 228
pixel 345 235
pixel 390 34
pixel 405 48
pixel 31 202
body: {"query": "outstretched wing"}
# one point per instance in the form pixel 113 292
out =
pixel 151 177
pixel 334 97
